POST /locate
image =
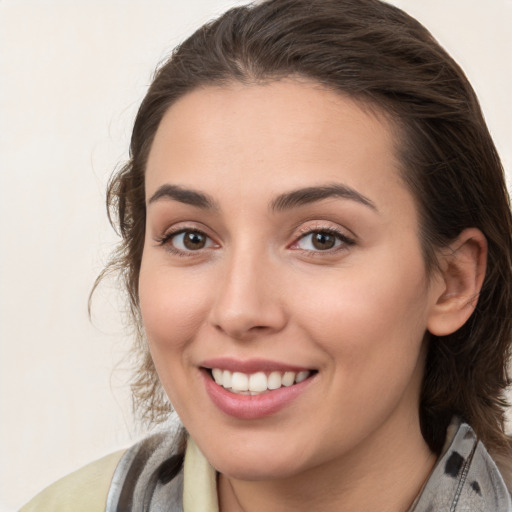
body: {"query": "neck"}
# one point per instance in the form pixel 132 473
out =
pixel 385 473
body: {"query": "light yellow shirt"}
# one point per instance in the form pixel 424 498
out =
pixel 86 490
pixel 199 482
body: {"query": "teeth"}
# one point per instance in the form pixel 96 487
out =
pixel 274 380
pixel 226 379
pixel 239 382
pixel 217 375
pixel 301 376
pixel 288 379
pixel 256 383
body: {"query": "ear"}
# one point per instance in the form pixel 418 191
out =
pixel 463 266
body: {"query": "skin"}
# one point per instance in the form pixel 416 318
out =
pixel 357 313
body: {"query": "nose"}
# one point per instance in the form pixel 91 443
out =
pixel 248 302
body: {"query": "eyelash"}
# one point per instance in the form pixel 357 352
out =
pixel 341 237
pixel 165 240
pixel 344 240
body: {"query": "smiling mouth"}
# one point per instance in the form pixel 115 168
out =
pixel 257 383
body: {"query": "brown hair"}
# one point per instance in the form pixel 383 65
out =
pixel 380 56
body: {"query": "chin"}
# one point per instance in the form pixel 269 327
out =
pixel 258 463
pixel 256 470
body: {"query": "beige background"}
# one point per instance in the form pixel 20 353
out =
pixel 71 76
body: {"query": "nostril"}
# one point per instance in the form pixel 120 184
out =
pixel 241 332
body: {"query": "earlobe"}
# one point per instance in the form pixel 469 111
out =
pixel 463 265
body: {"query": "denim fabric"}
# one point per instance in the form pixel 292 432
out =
pixel 464 479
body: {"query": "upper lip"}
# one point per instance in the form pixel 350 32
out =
pixel 251 365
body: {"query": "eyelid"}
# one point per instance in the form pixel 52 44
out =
pixel 169 230
pixel 341 235
pixel 165 240
pixel 343 239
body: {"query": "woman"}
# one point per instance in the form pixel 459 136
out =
pixel 316 246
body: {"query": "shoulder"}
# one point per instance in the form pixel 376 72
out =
pixel 465 477
pixel 84 490
pixel 146 474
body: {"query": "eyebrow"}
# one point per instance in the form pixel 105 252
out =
pixel 184 195
pixel 303 196
pixel 286 201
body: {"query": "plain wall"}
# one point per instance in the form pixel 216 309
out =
pixel 72 74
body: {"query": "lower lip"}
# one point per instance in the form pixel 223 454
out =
pixel 250 407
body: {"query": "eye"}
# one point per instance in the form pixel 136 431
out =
pixel 186 241
pixel 322 240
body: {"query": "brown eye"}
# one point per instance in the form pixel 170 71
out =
pixel 193 240
pixel 187 241
pixel 323 240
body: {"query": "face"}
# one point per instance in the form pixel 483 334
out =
pixel 282 286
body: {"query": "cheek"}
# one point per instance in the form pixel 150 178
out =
pixel 372 328
pixel 172 306
pixel 371 319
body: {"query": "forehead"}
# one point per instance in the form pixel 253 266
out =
pixel 284 134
